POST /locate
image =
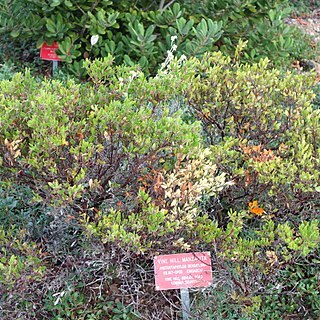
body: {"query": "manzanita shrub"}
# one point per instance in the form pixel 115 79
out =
pixel 264 131
pixel 256 122
pixel 66 140
pixel 127 157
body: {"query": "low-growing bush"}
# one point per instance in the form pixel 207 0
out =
pixel 21 269
pixel 75 305
pixel 294 292
pixel 130 173
pixel 18 209
pixel 264 132
pixel 83 144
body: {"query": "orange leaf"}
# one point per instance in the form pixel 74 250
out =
pixel 255 209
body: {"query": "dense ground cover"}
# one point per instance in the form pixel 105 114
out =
pixel 218 152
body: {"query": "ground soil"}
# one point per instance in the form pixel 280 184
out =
pixel 309 23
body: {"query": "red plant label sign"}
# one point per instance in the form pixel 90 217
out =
pixel 184 270
pixel 49 52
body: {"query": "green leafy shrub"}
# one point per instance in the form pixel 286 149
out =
pixel 17 257
pixel 264 132
pixel 142 33
pixel 74 305
pixel 21 267
pixel 117 158
pixel 82 144
pixel 124 31
pixel 280 289
pixel 294 292
pixel 259 22
pixel 251 246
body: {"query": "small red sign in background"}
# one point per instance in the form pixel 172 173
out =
pixel 48 52
pixel 184 270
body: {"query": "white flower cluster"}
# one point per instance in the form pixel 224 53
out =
pixel 170 56
pixel 165 66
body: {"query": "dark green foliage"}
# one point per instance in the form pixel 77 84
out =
pixel 304 6
pixel 261 23
pixel 128 33
pixel 71 304
pixel 7 71
pixel 294 292
pixel 140 33
pixel 16 208
pixel 16 54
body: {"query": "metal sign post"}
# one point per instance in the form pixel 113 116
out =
pixel 54 67
pixel 185 301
